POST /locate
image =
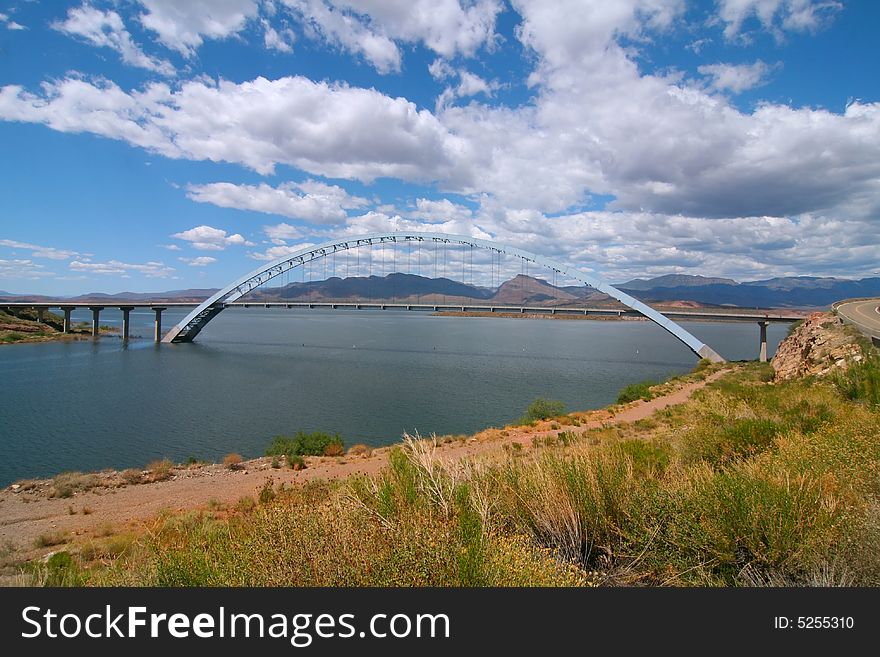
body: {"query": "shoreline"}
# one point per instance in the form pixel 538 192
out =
pixel 21 328
pixel 29 512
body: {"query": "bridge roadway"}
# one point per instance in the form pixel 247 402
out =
pixel 158 307
pixel 864 314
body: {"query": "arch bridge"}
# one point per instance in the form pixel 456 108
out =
pixel 190 326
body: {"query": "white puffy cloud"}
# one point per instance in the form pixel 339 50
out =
pixel 311 201
pixel 436 211
pixel 767 181
pixel 19 268
pixel 183 26
pixel 273 39
pixel 777 15
pixel 280 232
pixel 326 129
pixel 372 28
pixel 735 78
pixel 106 29
pixel 151 269
pixel 201 261
pixel 37 251
pixel 10 24
pixel 275 252
pixel 469 84
pixel 208 238
pixel 326 22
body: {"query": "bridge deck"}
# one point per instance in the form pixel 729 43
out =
pixel 711 315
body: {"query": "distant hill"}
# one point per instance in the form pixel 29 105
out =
pixel 171 295
pixel 674 280
pixel 790 292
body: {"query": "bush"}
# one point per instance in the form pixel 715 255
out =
pixel 68 483
pixel 861 380
pixel 132 476
pixel 541 409
pixel 232 461
pixel 635 391
pixel 334 449
pixel 359 450
pixel 317 443
pixel 160 470
pixel 267 492
pixel 296 462
pixel 736 439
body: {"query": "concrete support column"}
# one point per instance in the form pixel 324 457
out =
pixel 762 354
pixel 96 316
pixel 125 321
pixel 41 315
pixel 67 312
pixel 157 326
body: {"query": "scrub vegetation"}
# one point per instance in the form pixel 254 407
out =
pixel 749 483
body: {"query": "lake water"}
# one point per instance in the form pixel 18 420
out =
pixel 369 375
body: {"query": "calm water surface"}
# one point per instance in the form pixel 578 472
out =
pixel 254 373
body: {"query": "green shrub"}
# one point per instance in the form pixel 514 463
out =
pixel 732 440
pixel 861 380
pixel 296 462
pixel 267 492
pixel 317 443
pixel 634 391
pixel 541 409
pixel 62 570
pixel 648 458
pixel 68 483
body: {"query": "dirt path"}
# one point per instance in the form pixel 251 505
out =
pixel 26 515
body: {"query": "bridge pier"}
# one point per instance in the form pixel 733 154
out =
pixel 125 321
pixel 762 353
pixel 96 317
pixel 67 312
pixel 41 315
pixel 157 324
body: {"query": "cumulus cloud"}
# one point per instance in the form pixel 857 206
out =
pixel 201 261
pixel 106 29
pixel 767 181
pixel 372 28
pixel 469 84
pixel 311 201
pixel 275 252
pixel 18 268
pixel 151 269
pixel 777 15
pixel 735 78
pixel 208 238
pixel 11 24
pixel 37 251
pixel 280 232
pixel 273 39
pixel 326 129
pixel 183 26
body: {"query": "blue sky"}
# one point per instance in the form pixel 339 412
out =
pixel 153 144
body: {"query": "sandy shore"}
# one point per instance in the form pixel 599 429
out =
pixel 27 512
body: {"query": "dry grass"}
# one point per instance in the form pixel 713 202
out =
pixel 359 449
pixel 68 484
pixel 160 470
pixel 746 484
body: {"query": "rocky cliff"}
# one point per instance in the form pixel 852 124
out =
pixel 817 347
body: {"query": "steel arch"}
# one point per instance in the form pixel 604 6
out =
pixel 195 321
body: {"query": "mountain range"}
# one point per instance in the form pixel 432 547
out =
pixel 788 292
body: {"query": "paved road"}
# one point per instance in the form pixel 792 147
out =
pixel 863 314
